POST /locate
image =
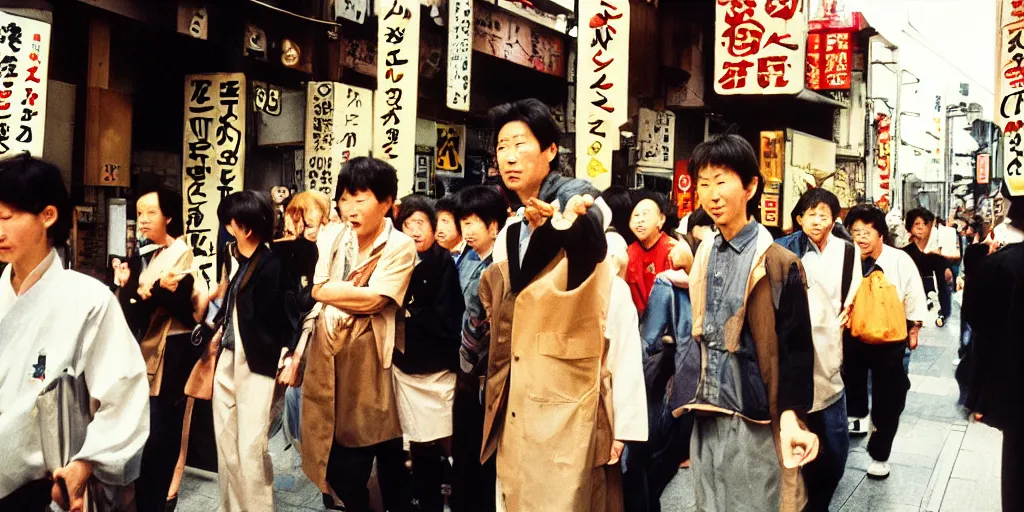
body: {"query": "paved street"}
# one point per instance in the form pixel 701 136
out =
pixel 940 461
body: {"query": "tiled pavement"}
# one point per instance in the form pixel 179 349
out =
pixel 940 461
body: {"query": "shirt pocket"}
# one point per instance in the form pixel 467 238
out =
pixel 561 346
pixel 567 369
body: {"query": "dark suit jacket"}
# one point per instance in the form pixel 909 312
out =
pixel 433 315
pixel 139 313
pixel 994 308
pixel 268 316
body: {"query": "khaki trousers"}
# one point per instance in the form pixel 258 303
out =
pixel 242 413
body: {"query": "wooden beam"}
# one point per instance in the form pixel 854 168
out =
pixel 99 53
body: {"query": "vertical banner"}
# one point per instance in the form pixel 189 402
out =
pixel 213 159
pixel 460 53
pixel 883 176
pixel 773 162
pixel 352 10
pixel 338 129
pixel 684 190
pixel 322 151
pixel 451 151
pixel 398 61
pixel 601 96
pixel 1010 92
pixel 760 46
pixel 983 177
pixel 24 53
pixel 656 139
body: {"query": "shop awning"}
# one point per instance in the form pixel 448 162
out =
pixel 816 97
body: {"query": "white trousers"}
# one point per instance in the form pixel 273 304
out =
pixel 242 405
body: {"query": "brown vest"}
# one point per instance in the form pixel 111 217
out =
pixel 548 393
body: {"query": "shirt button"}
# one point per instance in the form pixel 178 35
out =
pixel 513 414
pixel 516 358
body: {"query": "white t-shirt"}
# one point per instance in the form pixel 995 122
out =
pixel 900 270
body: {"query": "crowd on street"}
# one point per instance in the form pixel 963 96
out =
pixel 530 344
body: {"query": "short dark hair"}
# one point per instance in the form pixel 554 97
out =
pixel 699 218
pixel 483 201
pixel 871 215
pixel 811 199
pixel 250 209
pixel 731 152
pixel 918 213
pixel 645 194
pixel 448 203
pixel 367 173
pixel 416 203
pixel 531 111
pixel 170 204
pixel 620 202
pixel 30 185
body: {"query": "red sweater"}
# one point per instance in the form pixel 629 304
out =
pixel 644 267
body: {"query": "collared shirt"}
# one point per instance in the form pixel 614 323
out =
pixel 475 327
pixel 826 304
pixel 458 252
pixel 230 334
pixel 901 272
pixel 727 274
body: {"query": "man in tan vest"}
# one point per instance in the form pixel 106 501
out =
pixel 548 389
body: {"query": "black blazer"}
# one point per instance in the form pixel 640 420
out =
pixel 433 315
pixel 298 257
pixel 139 313
pixel 268 315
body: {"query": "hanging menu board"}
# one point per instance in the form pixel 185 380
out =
pixel 460 53
pixel 24 53
pixel 398 45
pixel 213 159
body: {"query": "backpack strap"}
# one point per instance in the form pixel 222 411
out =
pixel 848 257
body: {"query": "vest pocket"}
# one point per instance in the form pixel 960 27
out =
pixel 560 346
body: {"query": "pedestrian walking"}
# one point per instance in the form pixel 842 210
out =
pixel 544 392
pixel 994 303
pixel 482 212
pixel 648 255
pixel 162 301
pixel 829 297
pixel 882 357
pixel 349 412
pixel 751 320
pixel 933 251
pixel 53 321
pixel 260 324
pixel 426 355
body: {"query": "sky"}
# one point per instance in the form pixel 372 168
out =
pixel 961 32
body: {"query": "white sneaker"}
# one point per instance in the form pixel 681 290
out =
pixel 878 469
pixel 858 426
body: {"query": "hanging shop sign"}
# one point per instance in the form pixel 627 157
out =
pixel 338 129
pixel 656 139
pixel 684 189
pixel 773 163
pixel 359 55
pixel 983 176
pixel 601 95
pixel 1010 92
pixel 883 174
pixel 460 53
pixel 193 20
pixel 505 36
pixel 352 10
pixel 829 59
pixel 451 151
pixel 213 159
pixel 398 42
pixel 760 46
pixel 24 54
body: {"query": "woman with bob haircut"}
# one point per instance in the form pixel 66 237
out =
pixel 53 321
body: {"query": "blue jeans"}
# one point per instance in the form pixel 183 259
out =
pixel 822 475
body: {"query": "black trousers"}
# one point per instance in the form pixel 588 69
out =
pixel 31 497
pixel 1013 469
pixel 472 483
pixel 166 414
pixel 651 466
pixel 889 387
pixel 348 472
pixel 429 468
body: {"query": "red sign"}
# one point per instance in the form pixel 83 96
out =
pixel 770 210
pixel 983 168
pixel 829 60
pixel 882 181
pixel 685 197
